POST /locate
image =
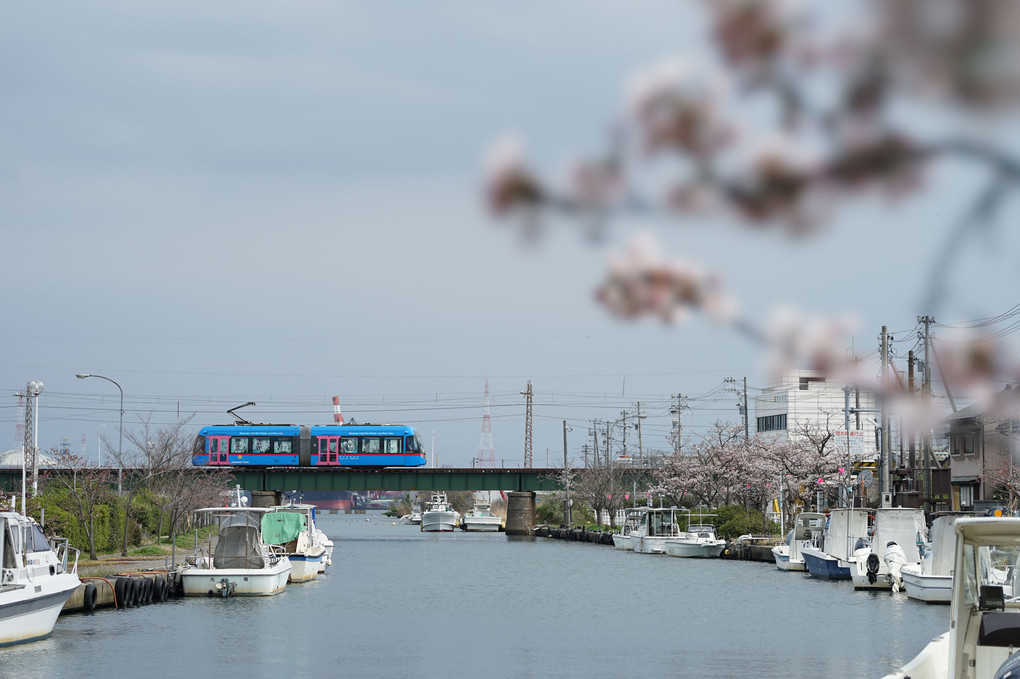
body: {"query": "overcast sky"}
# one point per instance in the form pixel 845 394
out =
pixel 279 202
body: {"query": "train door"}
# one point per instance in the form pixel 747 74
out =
pixel 329 447
pixel 218 449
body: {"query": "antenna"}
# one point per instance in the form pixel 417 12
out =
pixel 237 418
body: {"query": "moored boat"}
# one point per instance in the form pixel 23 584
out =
pixel 807 532
pixel 481 518
pixel 931 579
pixel 631 526
pixel 35 579
pixel 439 515
pixel 897 530
pixel 292 527
pixel 657 526
pixel 699 541
pixel 844 530
pixel 237 562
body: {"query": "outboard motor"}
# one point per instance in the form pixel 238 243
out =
pixel 895 559
pixel 873 565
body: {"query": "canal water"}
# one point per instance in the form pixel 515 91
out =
pixel 400 603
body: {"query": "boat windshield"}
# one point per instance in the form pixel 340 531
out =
pixel 991 575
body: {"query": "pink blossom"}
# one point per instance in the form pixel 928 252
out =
pixel 677 105
pixel 642 282
pixel 509 183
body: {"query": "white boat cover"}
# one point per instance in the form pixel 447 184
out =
pixel 901 525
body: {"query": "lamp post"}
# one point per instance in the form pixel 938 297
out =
pixel 120 435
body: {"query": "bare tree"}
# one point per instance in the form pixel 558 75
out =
pixel 88 485
pixel 601 487
pixel 152 454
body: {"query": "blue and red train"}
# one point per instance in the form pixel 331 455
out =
pixel 288 445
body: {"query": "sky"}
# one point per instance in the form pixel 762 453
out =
pixel 276 202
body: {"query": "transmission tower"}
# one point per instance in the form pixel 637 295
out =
pixel 486 454
pixel 527 427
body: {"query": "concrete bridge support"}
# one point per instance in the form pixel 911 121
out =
pixel 520 512
pixel 266 498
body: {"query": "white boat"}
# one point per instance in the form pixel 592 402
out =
pixel 699 541
pixel 328 544
pixel 844 529
pixel 481 518
pixel 931 580
pixel 984 616
pixel 238 562
pixel 807 532
pixel 439 516
pixel 657 526
pixel 631 526
pixel 897 530
pixel 35 580
pixel 293 528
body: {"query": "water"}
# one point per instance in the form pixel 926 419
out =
pixel 400 603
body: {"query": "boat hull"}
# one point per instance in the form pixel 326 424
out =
pixel 483 524
pixel 694 551
pixel 439 521
pixel 27 614
pixel 825 566
pixel 932 589
pixel 785 562
pixel 304 567
pixel 198 581
pixel 649 544
pixel 622 541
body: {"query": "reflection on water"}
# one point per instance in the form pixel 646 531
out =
pixel 398 602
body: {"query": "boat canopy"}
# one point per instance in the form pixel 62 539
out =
pixel 279 528
pixel 238 543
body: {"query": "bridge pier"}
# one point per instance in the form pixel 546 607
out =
pixel 520 512
pixel 266 498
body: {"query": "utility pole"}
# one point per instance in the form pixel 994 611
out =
pixel 640 449
pixel 886 493
pixel 911 389
pixel 566 467
pixel 595 441
pixel 678 410
pixel 746 435
pixel 624 414
pixel 926 405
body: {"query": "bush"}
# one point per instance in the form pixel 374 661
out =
pixel 732 521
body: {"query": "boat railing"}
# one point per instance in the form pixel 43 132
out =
pixel 276 552
pixel 62 547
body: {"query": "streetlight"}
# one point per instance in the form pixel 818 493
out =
pixel 120 435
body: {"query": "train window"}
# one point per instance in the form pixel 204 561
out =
pixel 199 447
pixel 238 445
pixel 283 446
pixel 332 445
pixel 348 446
pixel 370 444
pixel 391 446
pixel 412 444
pixel 260 445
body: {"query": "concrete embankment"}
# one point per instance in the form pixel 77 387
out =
pixel 124 590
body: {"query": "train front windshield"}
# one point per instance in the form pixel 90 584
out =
pixel 414 445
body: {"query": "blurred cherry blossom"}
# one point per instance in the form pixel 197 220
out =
pixel 643 283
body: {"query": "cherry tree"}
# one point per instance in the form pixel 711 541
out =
pixel 844 90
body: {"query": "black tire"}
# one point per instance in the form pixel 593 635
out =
pixel 164 590
pixel 146 591
pixel 122 592
pixel 89 597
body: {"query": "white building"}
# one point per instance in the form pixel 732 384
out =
pixel 799 401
